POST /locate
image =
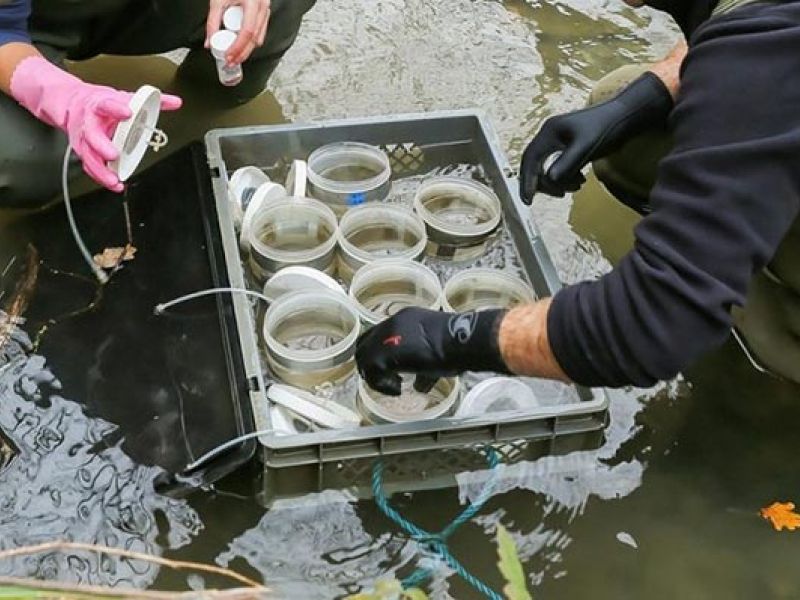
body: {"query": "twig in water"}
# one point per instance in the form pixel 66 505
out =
pixel 172 564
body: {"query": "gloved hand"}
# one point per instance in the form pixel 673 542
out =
pixel 87 113
pixel 431 344
pixel 589 134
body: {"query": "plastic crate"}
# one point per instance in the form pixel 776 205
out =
pixel 417 145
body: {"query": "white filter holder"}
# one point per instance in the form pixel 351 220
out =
pixel 497 394
pixel 244 179
pixel 299 279
pixel 232 18
pixel 297 180
pixel 321 411
pixel 266 193
pixel 138 133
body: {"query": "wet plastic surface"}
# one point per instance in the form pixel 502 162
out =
pixel 174 384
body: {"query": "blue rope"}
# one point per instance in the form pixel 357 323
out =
pixel 437 542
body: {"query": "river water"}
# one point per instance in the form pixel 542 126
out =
pixel 665 508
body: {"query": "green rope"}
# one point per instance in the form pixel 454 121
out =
pixel 437 542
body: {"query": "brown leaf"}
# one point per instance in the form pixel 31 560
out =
pixel 782 514
pixel 111 258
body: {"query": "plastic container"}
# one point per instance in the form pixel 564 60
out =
pixel 460 215
pixel 221 41
pixel 266 194
pixel 292 231
pixel 310 338
pixel 384 287
pixel 411 405
pixel 377 231
pixel 242 187
pixel 348 174
pixel 483 289
pixel 498 394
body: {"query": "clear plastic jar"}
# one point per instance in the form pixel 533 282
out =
pixel 411 405
pixel 348 174
pixel 483 289
pixel 384 287
pixel 377 231
pixel 292 231
pixel 221 41
pixel 311 337
pixel 460 215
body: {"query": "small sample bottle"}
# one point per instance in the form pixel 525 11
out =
pixel 221 41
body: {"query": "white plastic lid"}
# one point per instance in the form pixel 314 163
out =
pixel 299 279
pixel 220 42
pixel 133 135
pixel 232 18
pixel 266 193
pixel 297 180
pixel 246 178
pixel 497 394
pixel 324 412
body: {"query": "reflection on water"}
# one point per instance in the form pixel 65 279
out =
pixel 67 484
pixel 684 467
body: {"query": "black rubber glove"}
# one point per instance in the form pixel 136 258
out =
pixel 431 344
pixel 579 137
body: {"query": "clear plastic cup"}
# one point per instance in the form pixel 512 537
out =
pixel 292 231
pixel 311 337
pixel 461 216
pixel 377 231
pixel 384 287
pixel 348 174
pixel 483 289
pixel 411 405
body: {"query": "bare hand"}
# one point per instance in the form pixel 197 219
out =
pixel 254 26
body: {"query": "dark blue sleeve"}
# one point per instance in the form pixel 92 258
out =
pixel 724 199
pixel 14 21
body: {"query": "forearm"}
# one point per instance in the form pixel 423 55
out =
pixel 669 68
pixel 524 342
pixel 10 56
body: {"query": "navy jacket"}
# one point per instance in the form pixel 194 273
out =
pixel 725 197
pixel 14 21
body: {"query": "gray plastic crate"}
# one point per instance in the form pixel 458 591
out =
pixel 417 145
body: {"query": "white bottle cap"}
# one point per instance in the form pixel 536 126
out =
pixel 221 42
pixel 233 17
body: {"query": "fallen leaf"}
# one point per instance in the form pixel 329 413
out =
pixel 782 514
pixel 111 258
pixel 511 567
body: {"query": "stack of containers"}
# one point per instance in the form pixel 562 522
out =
pixel 291 234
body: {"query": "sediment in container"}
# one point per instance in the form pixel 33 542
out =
pixel 483 289
pixel 411 405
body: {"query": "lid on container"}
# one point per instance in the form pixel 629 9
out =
pixel 266 193
pixel 232 18
pixel 244 182
pixel 297 179
pixel 299 279
pixel 497 394
pixel 134 135
pixel 220 42
pixel 321 411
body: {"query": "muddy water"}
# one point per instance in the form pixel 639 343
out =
pixel 666 508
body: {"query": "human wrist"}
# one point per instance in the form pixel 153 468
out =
pixel 524 342
pixel 34 80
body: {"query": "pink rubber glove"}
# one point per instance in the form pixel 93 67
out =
pixel 87 113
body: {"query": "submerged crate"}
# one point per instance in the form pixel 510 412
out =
pixel 417 145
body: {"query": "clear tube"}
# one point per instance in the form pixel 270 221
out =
pixel 160 308
pixel 101 275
